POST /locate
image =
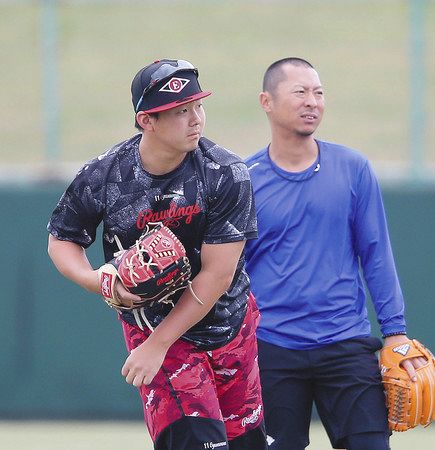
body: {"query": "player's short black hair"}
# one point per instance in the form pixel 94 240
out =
pixel 274 74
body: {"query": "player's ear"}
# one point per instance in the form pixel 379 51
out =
pixel 144 120
pixel 265 100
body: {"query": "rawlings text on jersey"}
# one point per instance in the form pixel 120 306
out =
pixel 168 216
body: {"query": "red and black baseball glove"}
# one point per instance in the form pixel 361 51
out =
pixel 155 267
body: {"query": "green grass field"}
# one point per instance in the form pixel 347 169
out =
pixel 120 435
pixel 361 50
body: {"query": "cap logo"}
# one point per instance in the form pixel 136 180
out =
pixel 174 85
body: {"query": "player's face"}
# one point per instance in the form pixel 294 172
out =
pixel 297 104
pixel 180 128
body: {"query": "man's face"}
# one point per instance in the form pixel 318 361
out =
pixel 297 103
pixel 180 128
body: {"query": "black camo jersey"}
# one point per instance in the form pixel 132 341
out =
pixel 207 199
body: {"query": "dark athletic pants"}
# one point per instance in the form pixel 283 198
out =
pixel 343 380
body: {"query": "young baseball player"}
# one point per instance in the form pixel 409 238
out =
pixel 194 359
pixel 320 215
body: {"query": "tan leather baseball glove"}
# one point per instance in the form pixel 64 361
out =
pixel 410 403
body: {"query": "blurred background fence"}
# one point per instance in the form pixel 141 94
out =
pixel 66 68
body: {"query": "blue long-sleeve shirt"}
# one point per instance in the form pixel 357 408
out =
pixel 316 229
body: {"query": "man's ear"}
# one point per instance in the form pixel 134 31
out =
pixel 144 120
pixel 265 101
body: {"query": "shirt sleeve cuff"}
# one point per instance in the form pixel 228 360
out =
pixel 396 332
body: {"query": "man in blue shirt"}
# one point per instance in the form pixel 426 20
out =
pixel 320 217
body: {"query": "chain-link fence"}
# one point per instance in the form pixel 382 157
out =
pixel 67 68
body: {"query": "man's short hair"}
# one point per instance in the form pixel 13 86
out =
pixel 275 75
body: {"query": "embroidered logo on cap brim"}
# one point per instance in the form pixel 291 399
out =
pixel 174 85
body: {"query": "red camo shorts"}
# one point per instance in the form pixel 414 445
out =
pixel 221 384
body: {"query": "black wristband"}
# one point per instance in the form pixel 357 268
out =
pixel 394 333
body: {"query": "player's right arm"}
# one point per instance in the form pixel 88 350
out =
pixel 72 262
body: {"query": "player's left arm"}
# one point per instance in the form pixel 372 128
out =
pixel 218 265
pixel 377 260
